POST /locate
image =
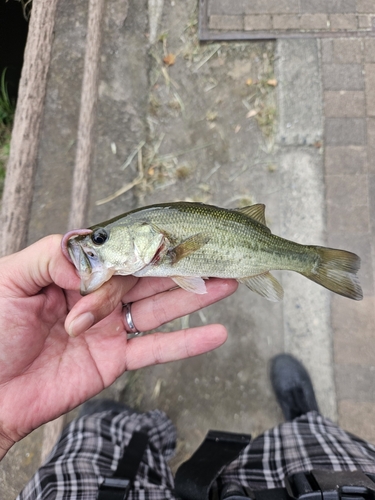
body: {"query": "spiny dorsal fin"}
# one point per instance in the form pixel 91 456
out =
pixel 188 246
pixel 256 212
pixel 266 285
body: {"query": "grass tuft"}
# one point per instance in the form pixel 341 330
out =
pixel 7 110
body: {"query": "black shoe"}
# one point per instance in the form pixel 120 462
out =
pixel 98 405
pixel 292 386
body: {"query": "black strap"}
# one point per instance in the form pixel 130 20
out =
pixel 195 477
pixel 118 486
pixel 316 485
pixel 322 485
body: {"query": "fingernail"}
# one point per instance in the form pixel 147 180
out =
pixel 81 324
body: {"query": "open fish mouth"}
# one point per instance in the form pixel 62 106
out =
pixel 91 270
pixel 67 245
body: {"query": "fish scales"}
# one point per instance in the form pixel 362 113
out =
pixel 249 249
pixel 191 241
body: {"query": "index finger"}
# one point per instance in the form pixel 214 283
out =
pixel 96 306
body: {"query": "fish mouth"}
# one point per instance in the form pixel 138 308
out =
pixel 66 244
pixel 94 280
pixel 90 269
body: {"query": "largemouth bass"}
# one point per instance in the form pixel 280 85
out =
pixel 190 242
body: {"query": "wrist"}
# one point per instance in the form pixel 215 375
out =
pixel 5 445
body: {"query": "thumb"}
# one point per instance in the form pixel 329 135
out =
pixel 26 272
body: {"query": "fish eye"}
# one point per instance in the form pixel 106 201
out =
pixel 100 236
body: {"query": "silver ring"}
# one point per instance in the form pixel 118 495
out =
pixel 129 320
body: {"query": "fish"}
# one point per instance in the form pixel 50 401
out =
pixel 191 242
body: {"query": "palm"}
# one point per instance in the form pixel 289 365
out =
pixel 53 372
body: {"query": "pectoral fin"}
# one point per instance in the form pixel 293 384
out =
pixel 188 246
pixel 266 285
pixel 190 283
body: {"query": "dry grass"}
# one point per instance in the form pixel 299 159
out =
pixel 26 7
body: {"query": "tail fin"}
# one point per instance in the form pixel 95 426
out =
pixel 337 271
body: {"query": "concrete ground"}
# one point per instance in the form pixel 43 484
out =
pixel 287 123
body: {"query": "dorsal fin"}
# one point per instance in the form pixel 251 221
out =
pixel 256 212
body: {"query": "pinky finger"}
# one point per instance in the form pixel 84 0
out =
pixel 164 347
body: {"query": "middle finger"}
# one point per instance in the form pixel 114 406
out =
pixel 154 311
pixel 146 287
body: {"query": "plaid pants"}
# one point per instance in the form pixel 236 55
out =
pixel 90 447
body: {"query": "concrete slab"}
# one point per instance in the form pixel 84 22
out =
pixel 306 307
pixel 18 466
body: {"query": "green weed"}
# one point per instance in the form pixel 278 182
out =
pixel 7 110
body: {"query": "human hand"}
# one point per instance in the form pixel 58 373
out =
pixel 44 372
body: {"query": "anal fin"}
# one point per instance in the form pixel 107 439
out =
pixel 193 284
pixel 265 285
